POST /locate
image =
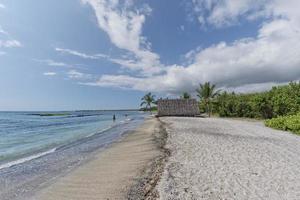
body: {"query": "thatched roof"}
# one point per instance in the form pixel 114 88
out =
pixel 178 107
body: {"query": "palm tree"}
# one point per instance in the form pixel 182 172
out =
pixel 185 95
pixel 206 92
pixel 148 100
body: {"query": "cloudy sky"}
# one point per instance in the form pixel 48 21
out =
pixel 105 54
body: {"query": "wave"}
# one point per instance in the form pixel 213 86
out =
pixel 101 131
pixel 38 155
pixel 110 127
pixel 83 115
pixel 22 160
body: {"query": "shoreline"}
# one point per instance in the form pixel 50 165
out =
pixel 22 181
pixel 128 169
pixel 27 136
pixel 146 186
pixel 169 157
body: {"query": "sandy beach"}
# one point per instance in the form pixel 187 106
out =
pixel 229 159
pixel 174 158
pixel 126 170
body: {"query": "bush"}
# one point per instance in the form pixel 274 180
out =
pixel 287 123
pixel 279 101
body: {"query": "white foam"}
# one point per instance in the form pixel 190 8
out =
pixel 22 160
pixel 101 131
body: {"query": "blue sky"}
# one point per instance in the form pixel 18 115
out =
pixel 105 54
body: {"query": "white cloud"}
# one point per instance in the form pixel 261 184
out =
pixel 2 31
pixel 256 87
pixel 227 12
pixel 124 28
pixel 10 43
pixel 49 73
pixel 127 63
pixel 173 81
pixel 2 53
pixel 79 54
pixel 6 40
pixel 247 64
pixel 52 63
pixel 74 74
pixel 119 81
pixel 2 5
pixel 221 13
pixel 190 55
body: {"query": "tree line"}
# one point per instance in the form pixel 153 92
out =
pixel 279 101
pixel 280 105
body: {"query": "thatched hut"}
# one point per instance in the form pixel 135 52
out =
pixel 178 107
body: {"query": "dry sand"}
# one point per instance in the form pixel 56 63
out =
pixel 229 159
pixel 121 170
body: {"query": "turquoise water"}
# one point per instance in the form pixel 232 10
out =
pixel 32 134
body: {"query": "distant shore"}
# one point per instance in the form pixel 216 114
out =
pixel 129 168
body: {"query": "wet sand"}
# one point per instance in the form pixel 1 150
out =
pixel 126 170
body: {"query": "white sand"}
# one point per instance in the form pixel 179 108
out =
pixel 112 172
pixel 229 159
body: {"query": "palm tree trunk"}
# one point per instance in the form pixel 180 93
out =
pixel 207 107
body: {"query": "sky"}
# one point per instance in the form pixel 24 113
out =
pixel 106 54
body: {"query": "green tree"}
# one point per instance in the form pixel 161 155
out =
pixel 185 95
pixel 148 100
pixel 206 93
pixel 285 99
pixel 279 101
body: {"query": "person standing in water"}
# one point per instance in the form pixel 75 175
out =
pixel 114 117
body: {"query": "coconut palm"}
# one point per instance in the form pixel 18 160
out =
pixel 148 100
pixel 206 92
pixel 185 95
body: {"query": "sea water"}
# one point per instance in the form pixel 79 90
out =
pixel 29 135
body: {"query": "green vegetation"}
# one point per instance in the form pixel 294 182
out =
pixel 281 104
pixel 148 100
pixel 279 101
pixel 206 93
pixel 286 123
pixel 153 109
pixel 185 95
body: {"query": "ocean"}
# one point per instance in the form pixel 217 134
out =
pixel 25 136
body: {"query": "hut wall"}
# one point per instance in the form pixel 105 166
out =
pixel 178 107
